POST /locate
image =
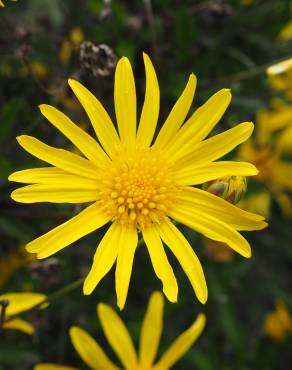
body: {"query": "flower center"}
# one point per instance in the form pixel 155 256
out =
pixel 138 190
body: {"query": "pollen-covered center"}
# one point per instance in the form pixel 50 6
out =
pixel 138 190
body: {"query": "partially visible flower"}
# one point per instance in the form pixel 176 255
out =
pixel 70 43
pixel 139 187
pixel 122 344
pixel 39 69
pixel 230 188
pixel 278 323
pixel 12 262
pixel 280 76
pixel 13 304
pixel 267 151
pixel 286 32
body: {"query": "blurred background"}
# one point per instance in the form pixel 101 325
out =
pixel 226 44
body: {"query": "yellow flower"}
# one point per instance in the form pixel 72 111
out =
pixel 278 324
pixel 139 187
pixel 122 344
pixel 280 76
pixel 69 44
pixel 13 304
pixel 39 69
pixel 286 32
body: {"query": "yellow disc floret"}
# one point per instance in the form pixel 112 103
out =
pixel 138 190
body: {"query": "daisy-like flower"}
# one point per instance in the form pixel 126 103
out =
pixel 119 338
pixel 138 184
pixel 13 304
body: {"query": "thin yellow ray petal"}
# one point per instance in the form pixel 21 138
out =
pixel 117 336
pixel 84 142
pixel 182 344
pixel 217 146
pixel 151 330
pixel 60 158
pixel 193 175
pixel 196 199
pixel 21 302
pixel 178 114
pixel 104 258
pixel 47 366
pixel 89 350
pixel 85 222
pixel 200 124
pixel 49 175
pixel 127 247
pixel 160 263
pixel 55 193
pixel 187 258
pixel 19 325
pixel 211 227
pixel 150 110
pixel 101 122
pixel 125 103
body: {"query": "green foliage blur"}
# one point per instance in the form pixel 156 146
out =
pixel 226 44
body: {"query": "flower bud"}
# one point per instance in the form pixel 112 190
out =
pixel 230 188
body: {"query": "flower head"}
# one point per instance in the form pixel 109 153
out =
pixel 278 323
pixel 119 338
pixel 13 304
pixel 138 184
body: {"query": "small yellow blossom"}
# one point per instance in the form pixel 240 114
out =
pixel 280 76
pixel 12 262
pixel 119 338
pixel 39 69
pixel 278 324
pixel 69 44
pixel 137 186
pixel 286 32
pixel 13 304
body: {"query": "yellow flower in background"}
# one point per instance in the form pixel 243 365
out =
pixel 69 44
pixel 13 261
pixel 278 324
pixel 137 187
pixel 119 339
pixel 286 32
pixel 272 141
pixel 258 203
pixel 13 304
pixel 280 77
pixel 39 69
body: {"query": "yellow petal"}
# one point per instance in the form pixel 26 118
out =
pixel 84 142
pixel 211 227
pixel 160 263
pixel 55 193
pixel 89 350
pixel 125 102
pixel 104 258
pixel 21 302
pixel 50 175
pixel 197 199
pixel 52 367
pixel 87 221
pixel 151 330
pixel 126 251
pixel 178 114
pixel 217 146
pixel 187 258
pixel 117 336
pixel 150 110
pixel 101 122
pixel 193 175
pixel 20 325
pixel 200 124
pixel 182 344
pixel 60 158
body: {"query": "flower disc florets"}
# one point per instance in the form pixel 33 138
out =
pixel 138 189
